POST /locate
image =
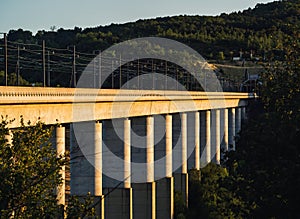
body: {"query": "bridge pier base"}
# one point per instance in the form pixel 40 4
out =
pixel 205 137
pixel 244 114
pixel 197 140
pixel 60 148
pixel 101 206
pixel 144 200
pixel 165 198
pixel 231 128
pixel 182 185
pixel 238 120
pixel 118 203
pixel 225 130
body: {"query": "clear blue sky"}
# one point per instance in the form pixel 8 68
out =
pixel 36 15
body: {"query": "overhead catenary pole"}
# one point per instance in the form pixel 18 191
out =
pixel 48 74
pixel 112 74
pixel 18 67
pixel 177 78
pixel 138 73
pixel 100 72
pixel 6 58
pixel 153 78
pixel 166 75
pixel 94 73
pixel 74 66
pixel 44 65
pixel 120 68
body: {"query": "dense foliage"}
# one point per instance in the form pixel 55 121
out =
pixel 261 29
pixel 261 178
pixel 30 174
pixel 262 32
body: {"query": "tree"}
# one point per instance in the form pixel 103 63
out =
pixel 30 173
pixel 213 196
pixel 267 155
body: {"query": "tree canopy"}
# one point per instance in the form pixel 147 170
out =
pixel 30 174
pixel 262 32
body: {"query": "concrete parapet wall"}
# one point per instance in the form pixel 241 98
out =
pixel 59 105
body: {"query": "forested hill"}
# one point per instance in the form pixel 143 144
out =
pixel 264 29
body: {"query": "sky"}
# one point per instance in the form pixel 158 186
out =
pixel 34 15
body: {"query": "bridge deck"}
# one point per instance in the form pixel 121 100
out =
pixel 64 105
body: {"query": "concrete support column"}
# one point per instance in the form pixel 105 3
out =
pixel 165 186
pixel 98 169
pixel 168 145
pixel 98 159
pixel 184 143
pixel 151 185
pixel 119 202
pixel 150 149
pixel 144 194
pixel 225 141
pixel 207 137
pixel 127 154
pixel 144 200
pixel 231 129
pixel 197 140
pixel 238 120
pixel 217 131
pixel 127 166
pixel 244 115
pixel 60 149
pixel 165 198
pixel 181 179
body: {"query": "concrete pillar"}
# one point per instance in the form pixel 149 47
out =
pixel 127 165
pixel 217 140
pixel 184 143
pixel 144 200
pixel 86 171
pixel 231 129
pixel 225 128
pixel 207 137
pixel 197 140
pixel 181 179
pixel 98 169
pixel 165 186
pixel 60 149
pixel 119 201
pixel 98 159
pixel 244 115
pixel 168 145
pixel 127 154
pixel 151 185
pixel 238 120
pixel 150 149
pixel 144 194
pixel 165 198
pixel 170 179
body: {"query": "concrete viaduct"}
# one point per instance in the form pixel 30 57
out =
pixel 200 123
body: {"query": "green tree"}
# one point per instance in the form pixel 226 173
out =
pixel 30 173
pixel 213 196
pixel 267 156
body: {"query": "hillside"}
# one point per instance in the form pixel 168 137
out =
pixel 263 32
